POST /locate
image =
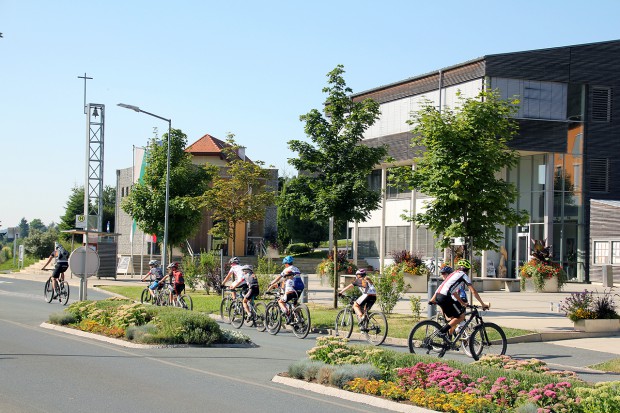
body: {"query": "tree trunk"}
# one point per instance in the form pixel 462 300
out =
pixel 336 275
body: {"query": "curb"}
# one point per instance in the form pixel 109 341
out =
pixel 347 395
pixel 97 337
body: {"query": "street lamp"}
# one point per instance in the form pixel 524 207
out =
pixel 137 109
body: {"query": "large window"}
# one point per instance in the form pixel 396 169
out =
pixel 601 252
pixel 615 252
pixel 374 180
pixel 396 239
pixel 395 191
pixel 368 242
pixel 538 100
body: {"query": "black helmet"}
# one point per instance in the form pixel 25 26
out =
pixel 234 260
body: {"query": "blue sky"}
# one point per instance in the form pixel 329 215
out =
pixel 250 68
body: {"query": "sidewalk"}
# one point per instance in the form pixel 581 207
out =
pixel 537 312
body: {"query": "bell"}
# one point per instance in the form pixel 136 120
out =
pixel 95 113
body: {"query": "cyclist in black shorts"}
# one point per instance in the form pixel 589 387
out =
pixel 448 298
pixel 252 287
pixel 369 293
pixel 61 255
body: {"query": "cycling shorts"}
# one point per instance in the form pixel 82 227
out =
pixel 288 297
pixel 179 288
pixel 155 285
pixel 450 308
pixel 251 293
pixel 60 268
pixel 366 300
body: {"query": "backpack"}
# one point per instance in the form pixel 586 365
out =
pixel 63 254
pixel 298 283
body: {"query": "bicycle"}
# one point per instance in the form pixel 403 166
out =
pixel 62 289
pixel 298 317
pixel 227 301
pixel 373 325
pixel 486 338
pixel 238 316
pixel 440 319
pixel 146 297
pixel 182 300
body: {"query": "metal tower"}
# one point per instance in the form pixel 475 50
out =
pixel 93 184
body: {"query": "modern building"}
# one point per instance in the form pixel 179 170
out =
pixel 568 141
pixel 206 150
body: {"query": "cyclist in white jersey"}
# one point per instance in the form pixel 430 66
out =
pixel 236 273
pixel 448 298
pixel 368 290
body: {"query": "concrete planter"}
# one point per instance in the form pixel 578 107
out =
pixel 597 326
pixel 417 283
pixel 551 286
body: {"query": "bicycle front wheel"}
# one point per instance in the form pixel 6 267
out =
pixel 273 321
pixel 423 338
pixel 344 323
pixel 146 297
pixel 376 328
pixel 301 321
pixel 186 303
pixel 48 291
pixel 64 292
pixel 225 309
pixel 487 338
pixel 260 314
pixel 236 314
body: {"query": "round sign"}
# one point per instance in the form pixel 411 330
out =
pixel 84 260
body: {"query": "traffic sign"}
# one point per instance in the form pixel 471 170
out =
pixel 84 259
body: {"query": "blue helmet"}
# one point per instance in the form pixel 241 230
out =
pixel 446 269
pixel 287 260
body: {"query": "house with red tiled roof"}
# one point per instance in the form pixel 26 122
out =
pixel 206 150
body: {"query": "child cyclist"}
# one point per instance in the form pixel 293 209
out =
pixel 155 274
pixel 369 293
pixel 251 281
pixel 236 273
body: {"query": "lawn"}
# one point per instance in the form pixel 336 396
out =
pixel 399 325
pixel 611 366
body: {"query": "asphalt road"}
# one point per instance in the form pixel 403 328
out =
pixel 43 370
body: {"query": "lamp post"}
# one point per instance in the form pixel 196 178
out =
pixel 137 109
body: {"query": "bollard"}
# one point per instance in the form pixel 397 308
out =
pixel 433 283
pixel 304 294
pixel 608 276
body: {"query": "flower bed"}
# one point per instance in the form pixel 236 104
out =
pixel 493 384
pixel 591 313
pixel 545 275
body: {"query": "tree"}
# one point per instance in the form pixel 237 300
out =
pixel 24 228
pixel 40 244
pixel 75 206
pixel 37 224
pixel 146 201
pixel 334 167
pixel 238 194
pixel 466 149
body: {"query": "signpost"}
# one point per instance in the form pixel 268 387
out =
pixel 84 262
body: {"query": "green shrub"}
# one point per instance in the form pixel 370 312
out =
pixel 390 288
pixel 298 249
pixel 343 374
pixel 603 398
pixel 5 254
pixel 186 327
pixel 416 307
pixel 142 334
pixel 268 266
pixel 234 337
pixel 305 369
pixel 62 318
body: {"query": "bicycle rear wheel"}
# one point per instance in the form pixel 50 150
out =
pixel 344 323
pixel 273 321
pixel 146 297
pixel 236 314
pixel 48 291
pixel 487 338
pixel 64 292
pixel 186 302
pixel 423 338
pixel 376 328
pixel 260 314
pixel 301 321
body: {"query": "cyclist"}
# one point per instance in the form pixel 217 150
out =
pixel 450 301
pixel 177 280
pixel 61 255
pixel 156 275
pixel 290 268
pixel 236 273
pixel 369 293
pixel 252 291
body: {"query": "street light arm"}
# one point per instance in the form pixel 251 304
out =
pixel 137 109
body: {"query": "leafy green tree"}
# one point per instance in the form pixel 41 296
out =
pixel 40 244
pixel 24 228
pixel 146 201
pixel 466 149
pixel 37 224
pixel 75 206
pixel 334 166
pixel 240 193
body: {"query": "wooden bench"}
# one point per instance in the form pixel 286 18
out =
pixel 496 284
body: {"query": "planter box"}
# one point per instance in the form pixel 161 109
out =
pixel 597 326
pixel 417 283
pixel 551 286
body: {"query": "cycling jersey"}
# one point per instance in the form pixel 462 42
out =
pixel 250 279
pixel 365 286
pixel 156 272
pixel 289 286
pixel 453 282
pixel 237 275
pixel 290 269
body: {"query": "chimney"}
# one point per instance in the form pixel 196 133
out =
pixel 241 152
